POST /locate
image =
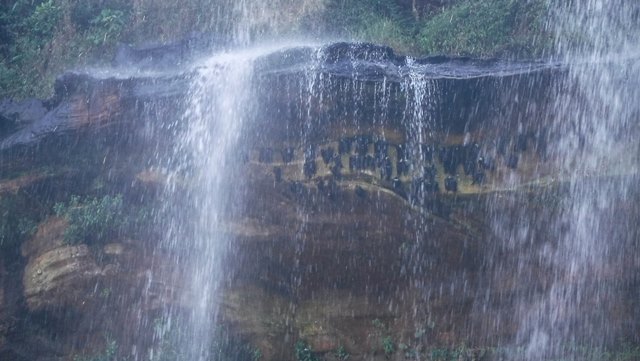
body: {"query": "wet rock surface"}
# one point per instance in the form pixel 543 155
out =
pixel 357 228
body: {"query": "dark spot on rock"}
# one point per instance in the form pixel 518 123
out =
pixel 287 155
pixel 478 178
pixel 310 153
pixel 356 162
pixel 427 152
pixel 296 188
pixel 422 190
pixel 470 158
pixel 398 187
pixel 327 155
pixel 277 173
pixel 369 162
pixel 380 151
pixel 386 170
pixel 431 186
pixel 512 161
pixel 362 145
pixel 337 161
pixel 344 146
pixel 265 155
pixel 401 152
pixel 336 170
pixel 521 143
pixel 327 187
pixel 402 167
pixel 430 172
pixel 501 146
pixel 469 167
pixel 451 157
pixel 320 184
pixel 360 192
pixel 397 184
pixel 310 168
pixel 451 184
pixel 486 163
pixel 541 145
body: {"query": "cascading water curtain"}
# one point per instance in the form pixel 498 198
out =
pixel 205 193
pixel 594 124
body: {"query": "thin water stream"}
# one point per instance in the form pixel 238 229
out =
pixel 591 123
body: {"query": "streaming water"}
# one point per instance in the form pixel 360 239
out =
pixel 220 104
pixel 595 119
pixel 246 21
pixel 591 123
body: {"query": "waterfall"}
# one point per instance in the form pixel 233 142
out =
pixel 595 122
pixel 212 149
pixel 414 153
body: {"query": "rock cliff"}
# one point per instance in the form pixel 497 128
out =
pixel 360 230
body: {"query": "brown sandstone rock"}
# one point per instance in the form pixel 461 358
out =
pixel 49 236
pixel 62 276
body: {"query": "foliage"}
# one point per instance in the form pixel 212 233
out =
pixel 387 345
pixel 342 354
pixel 378 324
pixel 97 220
pixel 487 28
pixel 106 27
pixel 304 352
pixel 379 21
pixel 109 353
pixel 256 355
pixel 40 38
pixel 44 19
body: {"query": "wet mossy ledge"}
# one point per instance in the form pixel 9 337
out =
pixel 366 230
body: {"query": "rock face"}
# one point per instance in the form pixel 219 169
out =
pixel 359 230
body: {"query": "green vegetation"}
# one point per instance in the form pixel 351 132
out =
pixel 256 355
pixel 342 354
pixel 378 324
pixel 41 38
pixel 388 345
pixel 482 28
pixel 98 220
pixel 304 352
pixel 510 28
pixel 109 353
pixel 379 21
pixel 92 220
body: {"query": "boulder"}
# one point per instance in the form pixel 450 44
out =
pixel 18 114
pixel 60 277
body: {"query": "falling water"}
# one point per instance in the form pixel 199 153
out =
pixel 245 21
pixel 218 106
pixel 591 123
pixel 595 120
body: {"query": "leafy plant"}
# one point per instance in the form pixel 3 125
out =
pixel 92 220
pixel 304 352
pixel 342 354
pixel 106 27
pixel 486 28
pixel 256 355
pixel 44 19
pixel 109 353
pixel 379 21
pixel 378 324
pixel 387 345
